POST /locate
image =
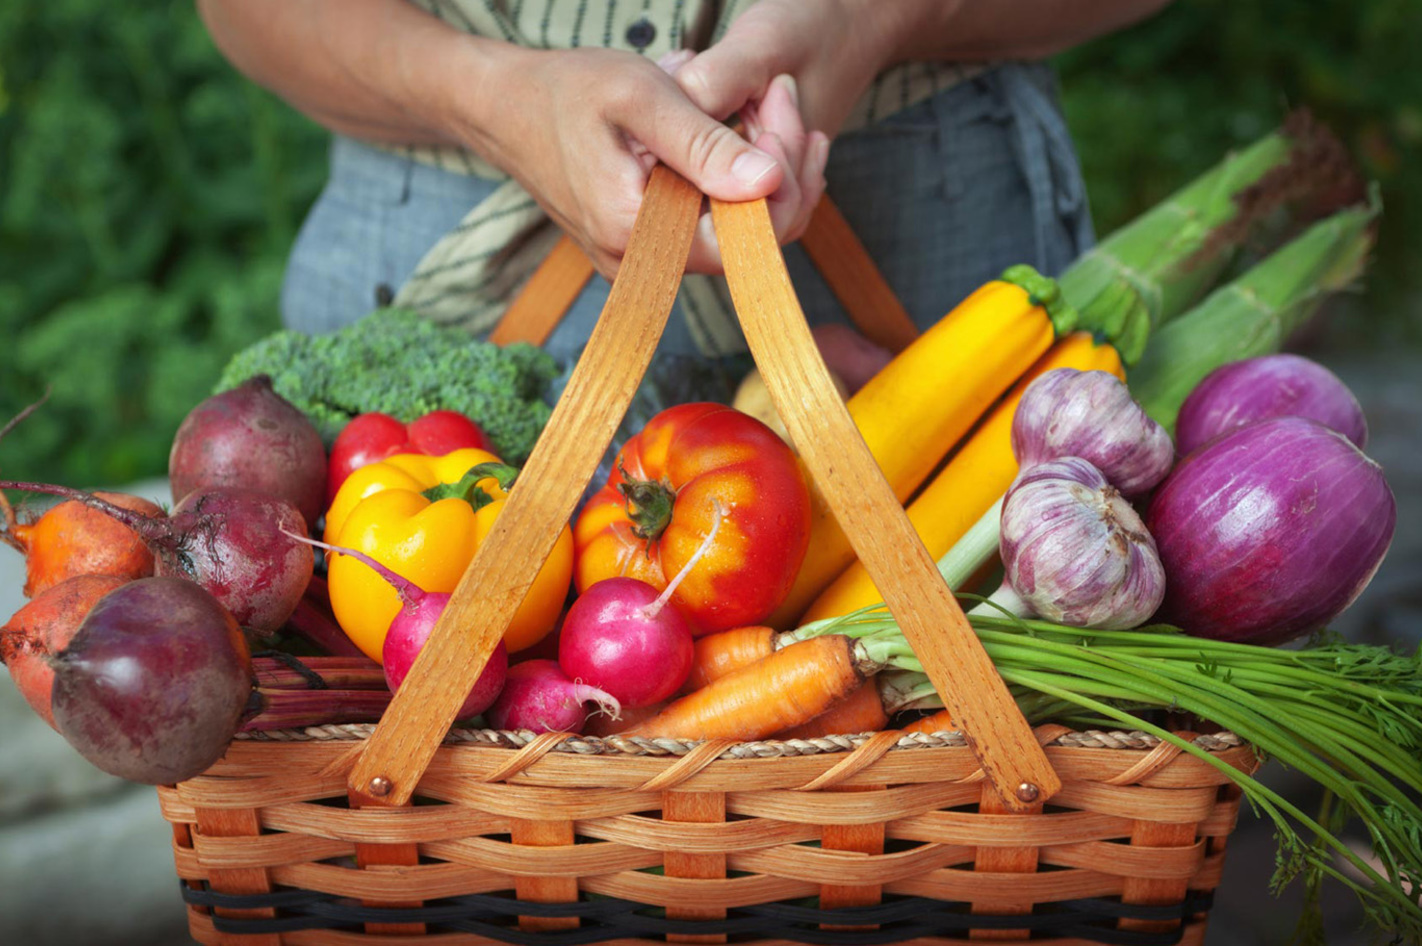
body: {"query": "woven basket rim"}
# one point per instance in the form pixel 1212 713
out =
pixel 1136 740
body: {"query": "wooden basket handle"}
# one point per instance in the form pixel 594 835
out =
pixel 828 241
pixel 582 424
pixel 542 499
pixel 875 523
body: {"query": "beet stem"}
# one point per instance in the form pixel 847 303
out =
pixel 26 412
pixel 314 681
pixel 151 529
pixel 409 591
pixel 296 709
pixel 311 623
pixel 337 673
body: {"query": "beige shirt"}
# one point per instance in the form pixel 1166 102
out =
pixel 468 277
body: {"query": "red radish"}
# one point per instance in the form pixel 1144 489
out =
pixel 44 627
pixel 71 539
pixel 538 696
pixel 250 437
pixel 411 627
pixel 622 636
pixel 228 541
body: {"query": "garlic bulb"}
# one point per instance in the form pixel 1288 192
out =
pixel 1075 551
pixel 1091 414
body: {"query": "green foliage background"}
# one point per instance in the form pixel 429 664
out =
pixel 148 193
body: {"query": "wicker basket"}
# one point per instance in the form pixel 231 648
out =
pixel 409 832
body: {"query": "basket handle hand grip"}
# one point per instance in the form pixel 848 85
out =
pixel 542 500
pixel 861 499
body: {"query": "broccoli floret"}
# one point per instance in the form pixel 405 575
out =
pixel 398 362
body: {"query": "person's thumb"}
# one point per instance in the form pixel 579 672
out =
pixel 722 79
pixel 713 157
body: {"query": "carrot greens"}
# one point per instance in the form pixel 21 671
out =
pixel 1347 716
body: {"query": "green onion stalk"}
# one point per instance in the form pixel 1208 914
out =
pixel 1150 270
pixel 1254 314
pixel 1347 716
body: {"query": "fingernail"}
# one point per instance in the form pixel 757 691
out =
pixel 751 166
pixel 791 86
pixel 822 149
pixel 674 59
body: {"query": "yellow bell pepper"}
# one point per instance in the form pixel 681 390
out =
pixel 384 511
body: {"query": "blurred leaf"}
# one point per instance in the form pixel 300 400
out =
pixel 1155 104
pixel 148 197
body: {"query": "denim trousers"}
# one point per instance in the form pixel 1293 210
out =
pixel 944 195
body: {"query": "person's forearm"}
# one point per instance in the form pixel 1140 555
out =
pixel 377 69
pixel 975 30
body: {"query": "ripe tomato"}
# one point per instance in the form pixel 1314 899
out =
pixel 692 467
pixel 374 436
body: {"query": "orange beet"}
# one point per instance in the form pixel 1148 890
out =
pixel 44 626
pixel 72 539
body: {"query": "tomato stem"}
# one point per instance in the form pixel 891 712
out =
pixel 649 506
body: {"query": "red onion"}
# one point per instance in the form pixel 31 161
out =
pixel 1270 531
pixel 1279 385
pixel 1091 414
pixel 1075 551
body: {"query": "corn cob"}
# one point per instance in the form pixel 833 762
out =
pixel 1254 314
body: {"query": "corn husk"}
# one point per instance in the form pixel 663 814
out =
pixel 1144 274
pixel 1254 314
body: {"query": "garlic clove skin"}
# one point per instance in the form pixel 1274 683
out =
pixel 1076 551
pixel 1067 412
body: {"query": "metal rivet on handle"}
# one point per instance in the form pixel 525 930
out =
pixel 1028 792
pixel 380 786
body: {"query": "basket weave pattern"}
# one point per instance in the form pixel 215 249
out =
pixel 716 834
pixel 1016 834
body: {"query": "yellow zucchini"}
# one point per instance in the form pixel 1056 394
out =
pixel 917 408
pixel 975 478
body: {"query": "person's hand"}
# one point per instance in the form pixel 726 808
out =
pixel 581 130
pixel 832 48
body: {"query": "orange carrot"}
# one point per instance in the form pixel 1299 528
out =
pixel 941 721
pixel 781 691
pixel 860 711
pixel 718 654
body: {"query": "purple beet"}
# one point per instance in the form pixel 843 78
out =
pixel 250 437
pixel 232 542
pixel 154 683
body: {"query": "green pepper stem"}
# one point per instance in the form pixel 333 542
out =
pixel 467 486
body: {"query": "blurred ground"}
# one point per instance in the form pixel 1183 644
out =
pixel 85 858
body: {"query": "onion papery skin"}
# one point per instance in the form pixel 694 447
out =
pixel 1279 385
pixel 1269 531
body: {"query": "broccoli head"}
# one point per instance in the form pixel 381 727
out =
pixel 402 364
